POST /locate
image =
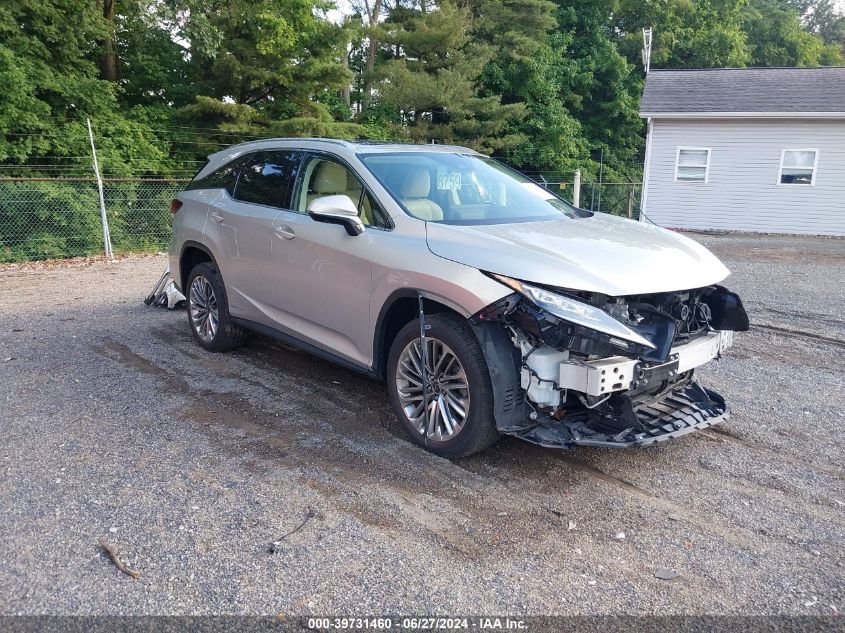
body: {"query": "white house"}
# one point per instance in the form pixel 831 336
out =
pixel 746 149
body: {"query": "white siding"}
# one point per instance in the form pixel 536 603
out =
pixel 742 192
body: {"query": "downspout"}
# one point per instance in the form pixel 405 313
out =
pixel 646 167
pixel 647 37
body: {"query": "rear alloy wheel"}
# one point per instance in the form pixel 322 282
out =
pixel 454 418
pixel 208 311
pixel 205 317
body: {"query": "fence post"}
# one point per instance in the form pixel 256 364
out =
pixel 106 234
pixel 576 189
pixel 601 177
pixel 630 204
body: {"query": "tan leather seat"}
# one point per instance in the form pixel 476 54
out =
pixel 332 179
pixel 414 193
pixel 329 179
pixel 367 214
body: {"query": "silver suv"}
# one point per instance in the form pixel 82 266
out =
pixel 488 304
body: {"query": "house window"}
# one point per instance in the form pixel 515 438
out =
pixel 692 164
pixel 798 166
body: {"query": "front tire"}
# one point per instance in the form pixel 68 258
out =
pixel 458 420
pixel 208 311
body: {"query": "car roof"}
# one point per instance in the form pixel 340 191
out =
pixel 355 146
pixel 346 149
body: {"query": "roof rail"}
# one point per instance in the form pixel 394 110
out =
pixel 336 141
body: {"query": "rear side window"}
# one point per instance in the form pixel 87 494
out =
pixel 223 178
pixel 264 178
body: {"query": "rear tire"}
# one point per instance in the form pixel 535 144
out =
pixel 459 421
pixel 208 311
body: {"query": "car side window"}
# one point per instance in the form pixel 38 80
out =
pixel 264 178
pixel 223 177
pixel 326 177
pixel 371 212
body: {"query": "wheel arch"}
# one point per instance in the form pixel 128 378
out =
pixel 192 253
pixel 501 355
pixel 402 307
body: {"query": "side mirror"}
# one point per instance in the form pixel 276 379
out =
pixel 338 209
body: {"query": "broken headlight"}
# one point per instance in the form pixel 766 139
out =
pixel 574 311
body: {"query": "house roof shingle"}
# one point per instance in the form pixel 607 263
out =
pixel 744 91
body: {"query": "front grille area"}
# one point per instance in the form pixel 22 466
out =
pixel 674 413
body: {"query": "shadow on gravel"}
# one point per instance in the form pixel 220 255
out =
pixel 309 412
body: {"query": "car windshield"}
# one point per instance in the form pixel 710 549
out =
pixel 463 189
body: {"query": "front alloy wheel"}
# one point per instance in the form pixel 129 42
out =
pixel 441 412
pixel 454 417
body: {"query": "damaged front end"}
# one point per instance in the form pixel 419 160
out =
pixel 572 368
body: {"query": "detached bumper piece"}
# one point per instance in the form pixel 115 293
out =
pixel 638 421
pixel 164 293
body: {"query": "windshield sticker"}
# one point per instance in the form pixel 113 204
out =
pixel 448 180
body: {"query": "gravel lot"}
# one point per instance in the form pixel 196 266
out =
pixel 116 425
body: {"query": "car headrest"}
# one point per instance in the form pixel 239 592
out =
pixel 330 178
pixel 415 184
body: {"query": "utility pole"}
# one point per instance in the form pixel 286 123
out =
pixel 106 234
pixel 373 16
pixel 601 174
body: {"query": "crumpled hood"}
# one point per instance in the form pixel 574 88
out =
pixel 602 253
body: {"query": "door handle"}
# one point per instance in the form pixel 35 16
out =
pixel 216 216
pixel 283 230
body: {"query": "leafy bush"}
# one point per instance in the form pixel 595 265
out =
pixel 42 220
pixel 55 219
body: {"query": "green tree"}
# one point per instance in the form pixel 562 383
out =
pixel 46 72
pixel 153 68
pixel 581 96
pixel 822 18
pixel 776 37
pixel 553 137
pixel 49 84
pixel 281 58
pixel 687 33
pixel 605 89
pixel 432 80
pixel 271 48
pixel 724 33
pixel 513 29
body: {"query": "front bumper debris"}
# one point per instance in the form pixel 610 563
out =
pixel 559 382
pixel 647 420
pixel 165 293
pixel 618 373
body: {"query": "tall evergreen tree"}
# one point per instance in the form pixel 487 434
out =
pixel 431 82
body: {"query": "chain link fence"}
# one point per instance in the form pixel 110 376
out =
pixel 52 218
pixel 616 198
pixel 50 206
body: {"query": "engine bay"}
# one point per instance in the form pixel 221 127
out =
pixel 573 383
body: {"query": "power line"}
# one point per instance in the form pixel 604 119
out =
pixel 182 130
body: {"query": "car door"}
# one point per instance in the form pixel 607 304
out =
pixel 241 227
pixel 321 275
